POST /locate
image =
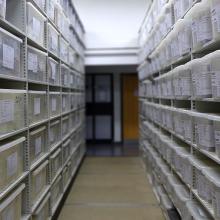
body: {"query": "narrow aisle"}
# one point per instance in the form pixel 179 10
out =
pixel 111 189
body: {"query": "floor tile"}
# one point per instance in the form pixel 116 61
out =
pixel 122 194
pixel 111 213
pixel 111 189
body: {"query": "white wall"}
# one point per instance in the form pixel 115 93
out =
pixel 112 23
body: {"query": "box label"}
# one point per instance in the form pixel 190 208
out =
pixel 36 28
pixel 12 162
pixel 6 111
pixel 216 17
pixel 64 102
pixel 52 136
pixel 33 62
pixel 71 79
pixel 38 182
pixel 53 70
pixel 36 106
pixel 205 28
pixel 8 56
pixel 54 104
pixel 38 143
pixel 54 45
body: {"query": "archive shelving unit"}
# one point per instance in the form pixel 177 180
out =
pixel 179 123
pixel 17 197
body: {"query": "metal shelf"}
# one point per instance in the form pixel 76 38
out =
pixel 205 204
pixel 35 206
pixel 169 31
pixel 26 85
pixel 14 133
pixel 11 28
pixel 13 185
pixel 39 161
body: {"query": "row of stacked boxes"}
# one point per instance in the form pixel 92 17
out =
pixel 41 105
pixel 191 31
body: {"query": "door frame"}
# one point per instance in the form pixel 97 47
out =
pixel 122 101
pixel 102 141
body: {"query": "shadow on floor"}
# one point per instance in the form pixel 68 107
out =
pixel 113 150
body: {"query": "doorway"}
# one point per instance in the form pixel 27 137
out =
pixel 130 128
pixel 99 108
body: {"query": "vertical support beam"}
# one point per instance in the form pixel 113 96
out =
pixel 117 107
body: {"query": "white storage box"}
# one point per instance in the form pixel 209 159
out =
pixel 73 119
pixel 73 163
pixel 51 9
pixel 41 4
pixel 64 50
pixel 187 126
pixel 62 21
pixel 66 174
pixel 2 8
pixel 11 162
pixel 185 36
pixel 180 197
pixel 37 64
pixel 185 169
pixel 201 24
pixel 55 132
pixel 74 141
pixel 11 207
pixel 215 9
pixel 38 143
pixel 35 24
pixel 59 16
pixel 72 57
pixel 72 79
pixel 212 176
pixel 55 163
pixel 12 110
pixel 73 101
pixel 201 77
pixel 65 126
pixel 216 127
pixel 43 211
pixel 10 54
pixel 195 211
pixel 171 183
pixel 186 81
pixel 65 76
pixel 65 102
pixel 53 40
pixel 176 83
pixel 37 104
pixel 165 170
pixel 215 70
pixel 56 192
pixel 186 5
pixel 53 72
pixel 66 150
pixel 55 104
pixel 178 12
pixel 178 122
pixel 39 182
pixel 199 164
pixel 204 132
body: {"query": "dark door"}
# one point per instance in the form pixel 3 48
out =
pixel 99 108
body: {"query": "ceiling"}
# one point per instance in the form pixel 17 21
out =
pixel 112 23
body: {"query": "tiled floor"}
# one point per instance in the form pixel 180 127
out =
pixel 111 189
